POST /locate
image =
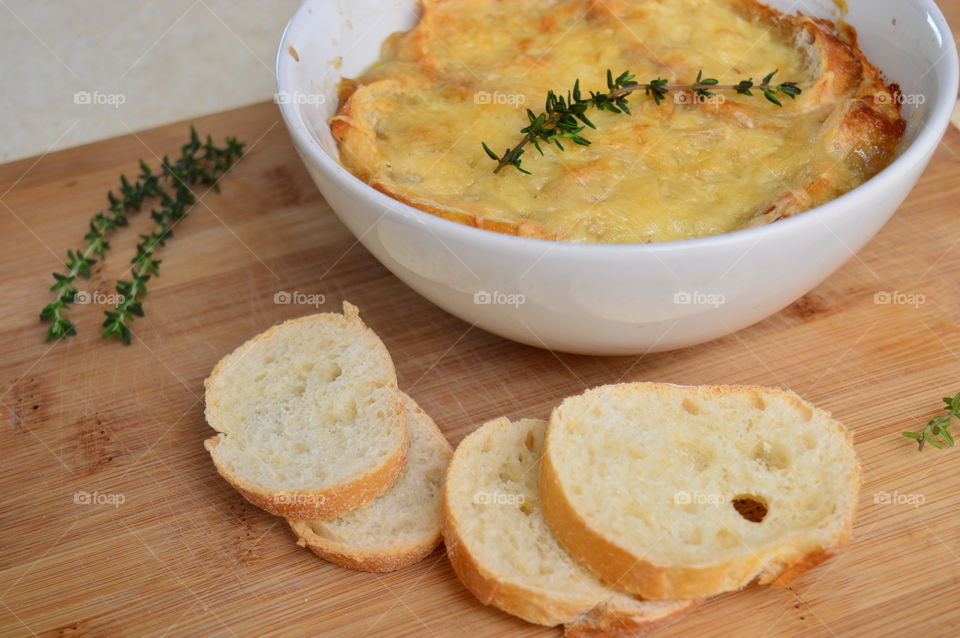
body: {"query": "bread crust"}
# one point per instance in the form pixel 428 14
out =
pixel 599 622
pixel 519 601
pixel 320 504
pixel 312 504
pixel 869 118
pixel 602 623
pixel 780 564
pixel 539 607
pixel 371 560
pixel 354 558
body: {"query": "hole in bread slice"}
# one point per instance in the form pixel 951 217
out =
pixel 751 507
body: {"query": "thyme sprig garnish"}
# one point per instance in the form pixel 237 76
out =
pixel 938 426
pixel 200 163
pixel 80 262
pixel 564 118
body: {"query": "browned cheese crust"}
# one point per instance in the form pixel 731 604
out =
pixel 858 136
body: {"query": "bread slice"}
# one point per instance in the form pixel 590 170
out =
pixel 679 492
pixel 309 417
pixel 401 526
pixel 502 549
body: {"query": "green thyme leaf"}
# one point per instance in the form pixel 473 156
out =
pixel 199 163
pixel 562 116
pixel 939 426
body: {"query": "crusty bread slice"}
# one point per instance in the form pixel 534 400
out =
pixel 678 492
pixel 502 549
pixel 310 420
pixel 401 526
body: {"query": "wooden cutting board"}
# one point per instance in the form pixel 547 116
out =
pixel 171 550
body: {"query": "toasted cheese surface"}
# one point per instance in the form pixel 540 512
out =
pixel 687 168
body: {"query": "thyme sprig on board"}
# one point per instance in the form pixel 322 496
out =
pixel 564 118
pixel 80 262
pixel 938 426
pixel 200 163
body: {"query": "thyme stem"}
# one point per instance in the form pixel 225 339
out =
pixel 565 118
pixel 199 163
pixel 938 426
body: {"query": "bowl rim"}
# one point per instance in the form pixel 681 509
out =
pixel 923 145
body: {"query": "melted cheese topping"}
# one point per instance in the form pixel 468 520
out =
pixel 470 69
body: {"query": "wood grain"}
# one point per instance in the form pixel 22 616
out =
pixel 951 11
pixel 183 554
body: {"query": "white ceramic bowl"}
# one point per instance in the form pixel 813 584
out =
pixel 610 299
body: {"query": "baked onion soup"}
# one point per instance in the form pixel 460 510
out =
pixel 412 125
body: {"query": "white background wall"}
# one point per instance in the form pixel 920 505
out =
pixel 165 60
